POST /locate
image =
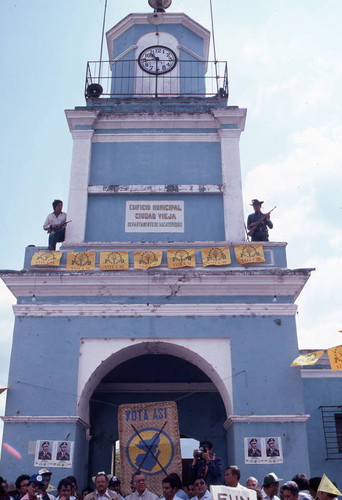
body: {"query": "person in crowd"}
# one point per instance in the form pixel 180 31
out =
pixel 55 224
pixel 86 492
pixel 169 485
pixel 289 491
pixel 21 484
pixel 201 489
pixel 258 223
pixel 180 493
pixel 190 489
pixel 313 485
pixel 74 494
pixel 64 489
pixel 114 485
pixel 303 484
pixel 35 487
pixel 270 487
pixel 205 464
pixel 141 492
pixel 252 483
pixel 4 490
pixel 327 490
pixel 47 478
pixel 232 477
pixel 101 489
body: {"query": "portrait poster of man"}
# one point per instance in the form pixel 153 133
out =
pixel 64 451
pixel 149 443
pixel 43 453
pixel 263 450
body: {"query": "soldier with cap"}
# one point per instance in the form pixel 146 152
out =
pixel 45 454
pixel 63 454
pixel 271 450
pixel 254 451
pixel 257 223
pixel 270 486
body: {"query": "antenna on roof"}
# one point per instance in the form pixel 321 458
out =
pixel 214 45
pixel 95 89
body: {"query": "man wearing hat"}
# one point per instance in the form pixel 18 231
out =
pixel 35 487
pixel 327 490
pixel 254 451
pixel 270 486
pixel 63 454
pixel 259 222
pixel 101 489
pixel 45 454
pixel 271 450
pixel 114 485
pixel 47 476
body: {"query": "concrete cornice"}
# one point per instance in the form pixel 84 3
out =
pixel 14 419
pixel 249 419
pixel 121 283
pixel 80 117
pixel 140 310
pixel 320 373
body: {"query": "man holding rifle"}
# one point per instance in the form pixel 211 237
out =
pixel 55 224
pixel 258 222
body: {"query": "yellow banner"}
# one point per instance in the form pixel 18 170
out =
pixel 335 357
pixel 46 259
pixel 147 258
pixel 307 359
pixel 181 258
pixel 114 261
pixel 216 256
pixel 80 261
pixel 246 254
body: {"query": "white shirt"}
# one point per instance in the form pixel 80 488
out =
pixel 52 220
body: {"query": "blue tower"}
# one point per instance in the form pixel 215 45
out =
pixel 156 166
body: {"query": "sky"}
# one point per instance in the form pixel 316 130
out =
pixel 285 66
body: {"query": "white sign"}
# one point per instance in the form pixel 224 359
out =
pixel 154 217
pixel 229 493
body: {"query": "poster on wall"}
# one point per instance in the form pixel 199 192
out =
pixel 53 453
pixel 263 450
pixel 149 442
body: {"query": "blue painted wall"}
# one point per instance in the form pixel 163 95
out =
pixel 110 210
pixel 156 163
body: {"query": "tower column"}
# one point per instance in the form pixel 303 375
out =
pixel 79 179
pixel 232 186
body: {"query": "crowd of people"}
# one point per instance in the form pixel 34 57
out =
pixel 203 474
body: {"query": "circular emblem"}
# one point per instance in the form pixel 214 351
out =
pixel 150 451
pixel 114 258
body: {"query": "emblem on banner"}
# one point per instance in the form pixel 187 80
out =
pixel 46 259
pixel 150 450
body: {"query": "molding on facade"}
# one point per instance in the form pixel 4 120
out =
pixel 158 137
pixel 45 420
pixel 187 387
pixel 249 419
pixel 232 283
pixel 320 373
pixel 156 188
pixel 132 310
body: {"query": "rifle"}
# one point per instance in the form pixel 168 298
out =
pixel 60 227
pixel 265 216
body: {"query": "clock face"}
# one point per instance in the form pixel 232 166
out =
pixel 157 60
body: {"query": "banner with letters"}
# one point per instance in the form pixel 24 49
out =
pixel 149 442
pixel 228 493
pixel 46 259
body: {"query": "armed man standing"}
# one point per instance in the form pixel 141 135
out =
pixel 258 222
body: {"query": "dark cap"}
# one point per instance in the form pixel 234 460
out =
pixel 37 478
pixel 256 202
pixel 271 478
pixel 114 480
pixel 271 440
pixel 253 441
pixel 63 444
pixel 46 443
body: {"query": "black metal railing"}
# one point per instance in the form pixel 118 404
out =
pixel 332 426
pixel 125 78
